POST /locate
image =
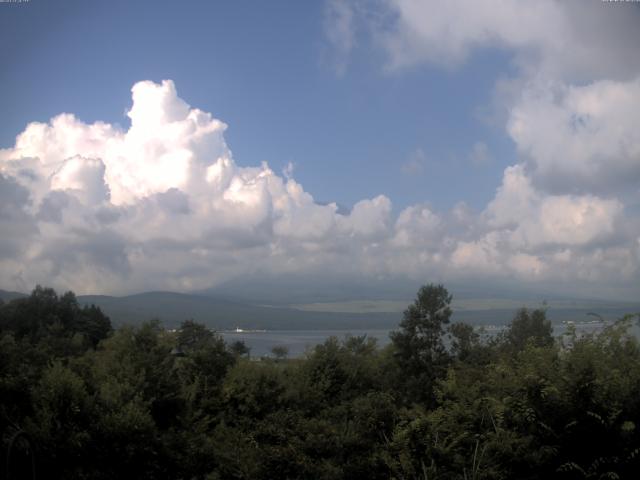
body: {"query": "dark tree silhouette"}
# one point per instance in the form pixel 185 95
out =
pixel 419 348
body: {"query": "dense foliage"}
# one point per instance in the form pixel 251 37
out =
pixel 441 401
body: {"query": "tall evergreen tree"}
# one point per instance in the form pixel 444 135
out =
pixel 420 352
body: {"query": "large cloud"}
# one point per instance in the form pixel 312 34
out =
pixel 579 138
pixel 536 219
pixel 561 39
pixel 570 108
pixel 163 205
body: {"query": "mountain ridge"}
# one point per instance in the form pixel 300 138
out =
pixel 222 313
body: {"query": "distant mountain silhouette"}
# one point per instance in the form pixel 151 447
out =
pixel 6 295
pixel 223 311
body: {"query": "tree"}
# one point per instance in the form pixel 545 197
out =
pixel 58 324
pixel 239 349
pixel 203 367
pixel 464 340
pixel 419 349
pixel 94 324
pixel 194 336
pixel 529 327
pixel 280 352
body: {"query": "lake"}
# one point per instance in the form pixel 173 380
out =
pixel 298 341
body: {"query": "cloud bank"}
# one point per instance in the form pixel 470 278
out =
pixel 566 211
pixel 164 205
pixel 559 39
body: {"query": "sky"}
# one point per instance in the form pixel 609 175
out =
pixel 156 145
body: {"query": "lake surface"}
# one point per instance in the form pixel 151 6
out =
pixel 299 341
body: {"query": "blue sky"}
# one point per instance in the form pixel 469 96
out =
pixel 464 141
pixel 266 70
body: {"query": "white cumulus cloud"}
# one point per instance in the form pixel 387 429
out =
pixel 565 211
pixel 579 137
pixel 563 39
pixel 164 205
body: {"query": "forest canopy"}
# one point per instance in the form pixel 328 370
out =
pixel 79 399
